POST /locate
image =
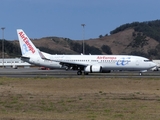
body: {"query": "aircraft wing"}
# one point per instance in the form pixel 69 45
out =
pixel 64 63
pixel 71 64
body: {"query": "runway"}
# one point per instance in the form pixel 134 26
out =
pixel 35 72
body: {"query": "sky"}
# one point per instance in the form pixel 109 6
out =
pixel 63 18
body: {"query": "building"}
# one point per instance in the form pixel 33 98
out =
pixel 13 62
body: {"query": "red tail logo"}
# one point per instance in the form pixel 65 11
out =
pixel 25 39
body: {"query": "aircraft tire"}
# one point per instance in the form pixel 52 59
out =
pixel 86 73
pixel 140 73
pixel 79 72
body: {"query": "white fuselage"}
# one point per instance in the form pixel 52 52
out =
pixel 107 62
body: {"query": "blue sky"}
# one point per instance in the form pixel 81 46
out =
pixel 63 18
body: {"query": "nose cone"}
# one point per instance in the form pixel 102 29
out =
pixel 153 64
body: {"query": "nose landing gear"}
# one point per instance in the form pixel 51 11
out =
pixel 80 73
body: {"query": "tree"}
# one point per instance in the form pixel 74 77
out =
pixel 106 49
pixel 100 36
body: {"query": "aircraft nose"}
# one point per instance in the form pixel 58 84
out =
pixel 153 64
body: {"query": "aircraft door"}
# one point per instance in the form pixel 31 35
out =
pixel 99 61
pixel 137 62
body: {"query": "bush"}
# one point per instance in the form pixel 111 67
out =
pixel 106 49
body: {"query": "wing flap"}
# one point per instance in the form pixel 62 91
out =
pixel 70 63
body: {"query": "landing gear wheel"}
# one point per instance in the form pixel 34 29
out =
pixel 79 72
pixel 85 73
pixel 140 73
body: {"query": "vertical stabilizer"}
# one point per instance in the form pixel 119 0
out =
pixel 27 47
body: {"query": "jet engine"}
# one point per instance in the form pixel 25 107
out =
pixel 93 68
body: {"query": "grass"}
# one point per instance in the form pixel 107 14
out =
pixel 77 98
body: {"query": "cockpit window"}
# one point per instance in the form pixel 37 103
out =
pixel 147 60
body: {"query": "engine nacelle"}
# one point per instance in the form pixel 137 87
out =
pixel 93 68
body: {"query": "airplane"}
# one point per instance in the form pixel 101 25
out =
pixel 82 63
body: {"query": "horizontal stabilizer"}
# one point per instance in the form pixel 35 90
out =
pixel 42 56
pixel 26 59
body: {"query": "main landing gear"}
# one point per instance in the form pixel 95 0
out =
pixel 79 72
pixel 140 73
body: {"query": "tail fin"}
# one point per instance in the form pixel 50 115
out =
pixel 27 47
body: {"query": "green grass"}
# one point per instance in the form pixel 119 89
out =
pixel 77 98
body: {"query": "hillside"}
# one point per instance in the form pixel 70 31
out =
pixel 135 39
